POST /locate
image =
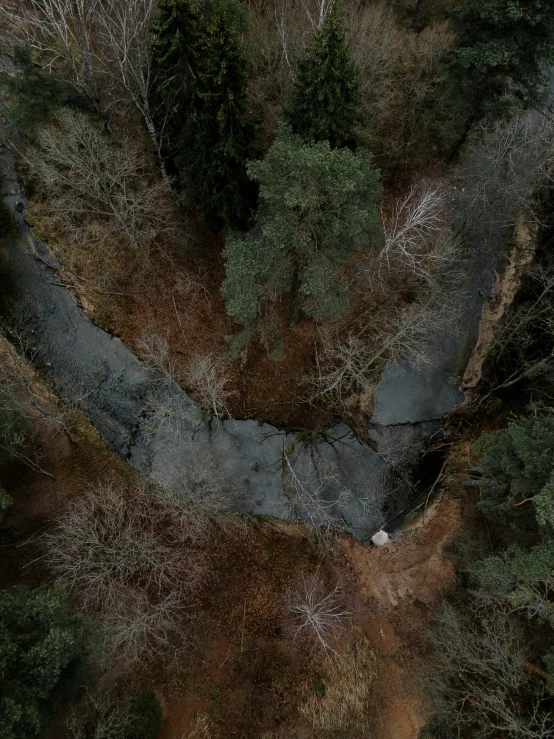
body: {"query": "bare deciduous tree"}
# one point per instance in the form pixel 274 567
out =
pixel 306 483
pixel 154 349
pixel 24 400
pixel 398 69
pixel 419 255
pixel 132 557
pixel 478 681
pixel 415 222
pixel 316 15
pixel 106 47
pixel 100 715
pixel 352 365
pixel 515 353
pixel 318 613
pixel 88 179
pixel 207 375
pixel 509 161
pixel 205 485
pixel 415 232
pixel 125 29
pixel 64 30
pixel 167 409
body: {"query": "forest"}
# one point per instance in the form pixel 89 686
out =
pixel 277 369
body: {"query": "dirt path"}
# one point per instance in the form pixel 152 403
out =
pixel 398 586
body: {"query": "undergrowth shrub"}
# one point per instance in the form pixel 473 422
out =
pixel 106 715
pixel 133 557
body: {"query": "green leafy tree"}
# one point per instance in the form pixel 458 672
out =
pixel 35 94
pixel 221 134
pixel 317 207
pixel 498 64
pixel 326 102
pixel 44 658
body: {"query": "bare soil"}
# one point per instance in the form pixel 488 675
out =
pixel 398 587
pixel 394 590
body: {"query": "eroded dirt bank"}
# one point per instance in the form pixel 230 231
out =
pixel 396 589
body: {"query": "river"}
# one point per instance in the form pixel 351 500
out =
pixel 150 421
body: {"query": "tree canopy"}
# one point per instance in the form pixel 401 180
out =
pixel 518 487
pixel 36 94
pixel 202 80
pixel 517 462
pixel 326 103
pixel 44 658
pixel 498 64
pixel 317 207
pixel 174 33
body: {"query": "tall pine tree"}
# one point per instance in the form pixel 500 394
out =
pixel 45 658
pixel 202 84
pixel 326 103
pixel 221 135
pixel 317 207
pixel 175 32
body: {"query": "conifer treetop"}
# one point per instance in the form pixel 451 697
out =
pixel 326 103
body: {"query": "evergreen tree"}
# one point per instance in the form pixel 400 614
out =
pixel 518 488
pixel 221 134
pixel 147 717
pixel 317 207
pixel 326 102
pixel 35 94
pixel 175 32
pixel 517 463
pixel 498 64
pixel 200 69
pixel 44 655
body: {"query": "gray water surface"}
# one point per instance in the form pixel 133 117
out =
pixel 150 421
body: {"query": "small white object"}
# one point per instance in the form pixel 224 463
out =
pixel 380 538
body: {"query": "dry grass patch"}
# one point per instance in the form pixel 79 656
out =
pixel 340 702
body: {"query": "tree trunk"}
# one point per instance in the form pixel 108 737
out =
pixel 157 151
pixel 406 132
pixel 132 239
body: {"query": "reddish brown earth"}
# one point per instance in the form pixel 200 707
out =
pixel 245 674
pixel 395 588
pixel 398 587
